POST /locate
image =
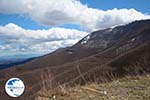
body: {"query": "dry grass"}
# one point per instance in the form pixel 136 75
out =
pixel 128 88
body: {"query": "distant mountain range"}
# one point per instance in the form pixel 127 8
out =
pixel 6 63
pixel 102 55
pixel 13 60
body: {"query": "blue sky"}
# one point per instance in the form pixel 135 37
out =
pixel 20 20
pixel 140 5
pixel 39 27
pixel 27 23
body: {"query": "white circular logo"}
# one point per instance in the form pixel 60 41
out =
pixel 14 87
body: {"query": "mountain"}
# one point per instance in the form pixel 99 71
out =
pixel 13 60
pixel 6 63
pixel 102 56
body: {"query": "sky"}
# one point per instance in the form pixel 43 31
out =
pixel 37 27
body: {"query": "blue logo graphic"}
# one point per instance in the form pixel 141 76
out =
pixel 14 87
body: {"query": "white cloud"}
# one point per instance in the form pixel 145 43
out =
pixel 119 16
pixel 17 39
pixel 58 12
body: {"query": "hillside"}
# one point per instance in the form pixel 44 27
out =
pixel 102 55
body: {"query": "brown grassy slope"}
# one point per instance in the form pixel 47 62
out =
pixel 113 91
pixel 56 58
pixel 97 66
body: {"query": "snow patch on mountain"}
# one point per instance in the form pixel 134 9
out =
pixel 85 40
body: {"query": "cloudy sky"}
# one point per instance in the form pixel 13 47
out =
pixel 37 27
